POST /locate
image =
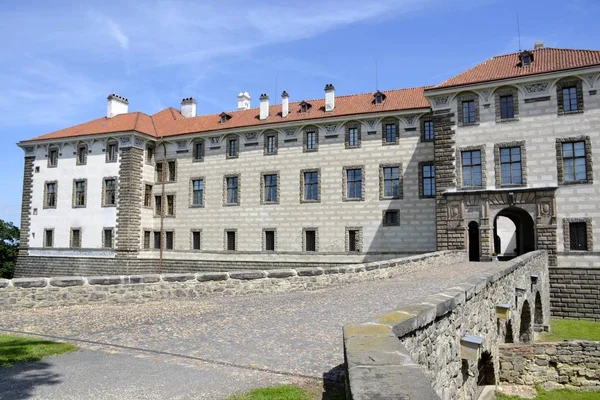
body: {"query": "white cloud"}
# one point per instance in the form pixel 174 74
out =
pixel 114 29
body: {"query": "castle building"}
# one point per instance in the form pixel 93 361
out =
pixel 500 160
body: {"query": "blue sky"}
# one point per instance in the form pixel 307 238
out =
pixel 60 59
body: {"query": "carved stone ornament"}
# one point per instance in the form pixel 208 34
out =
pixel 250 136
pixel 454 210
pixel 215 140
pixel 441 100
pixel 290 131
pixel 536 87
pixel 28 149
pixel 139 142
pixel 181 144
pixel 330 128
pixel 125 139
pixel 410 119
pixel 371 122
pixel 486 95
pixel 591 79
pixel 545 208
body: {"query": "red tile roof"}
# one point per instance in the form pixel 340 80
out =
pixel 170 122
pixel 508 66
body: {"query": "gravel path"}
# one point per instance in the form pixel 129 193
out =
pixel 208 348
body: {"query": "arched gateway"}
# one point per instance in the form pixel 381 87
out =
pixel 521 236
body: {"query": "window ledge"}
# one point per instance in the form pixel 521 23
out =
pixel 503 120
pixel 197 160
pixel 563 113
pixel 391 143
pixel 196 205
pixel 309 201
pixel 269 203
pixel 310 150
pixel 230 204
pixel 471 187
pixel 426 197
pixel 512 185
pixel 467 124
pixel 231 157
pixel 109 205
pixel 578 182
pixel 354 199
pixel 78 207
pixel 427 140
pixel 383 198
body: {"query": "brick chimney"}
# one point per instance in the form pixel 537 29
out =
pixel 116 105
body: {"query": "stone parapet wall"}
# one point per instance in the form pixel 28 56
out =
pixel 575 293
pixel 62 291
pixel 569 365
pixel 415 351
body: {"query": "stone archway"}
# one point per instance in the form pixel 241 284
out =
pixel 474 248
pixel 524 231
pixel 525 328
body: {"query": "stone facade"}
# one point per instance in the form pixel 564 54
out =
pixel 575 292
pixel 565 365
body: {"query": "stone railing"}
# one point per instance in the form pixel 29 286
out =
pixel 414 352
pixel 561 365
pixel 69 290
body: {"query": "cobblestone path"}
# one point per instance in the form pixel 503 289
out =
pixel 223 344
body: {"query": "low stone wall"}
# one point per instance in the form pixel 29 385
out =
pixel 575 293
pixel 414 352
pixel 569 365
pixel 60 291
pixel 34 266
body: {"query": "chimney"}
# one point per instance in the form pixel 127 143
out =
pixel 264 106
pixel 285 104
pixel 244 101
pixel 116 105
pixel 329 97
pixel 538 45
pixel 188 107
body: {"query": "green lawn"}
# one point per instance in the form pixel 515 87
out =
pixel 556 395
pixel 289 392
pixel 17 349
pixel 569 329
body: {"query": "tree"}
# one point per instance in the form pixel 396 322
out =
pixel 9 246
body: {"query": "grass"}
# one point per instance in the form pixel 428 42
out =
pixel 288 392
pixel 556 395
pixel 568 329
pixel 17 349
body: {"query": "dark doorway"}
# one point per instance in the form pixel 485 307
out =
pixel 525 330
pixel 485 372
pixel 473 241
pixel 509 333
pixel 538 314
pixel 521 240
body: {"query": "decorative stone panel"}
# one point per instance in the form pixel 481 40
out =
pixel 382 195
pixel 263 187
pixel 459 169
pixel 347 128
pixel 345 183
pixel 26 205
pixel 559 95
pixel 589 163
pixel 459 106
pixel 497 163
pixel 130 193
pixel 567 234
pixel 318 171
pixel 507 91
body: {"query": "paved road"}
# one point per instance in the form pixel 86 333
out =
pixel 207 348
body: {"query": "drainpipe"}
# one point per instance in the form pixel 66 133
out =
pixel 163 203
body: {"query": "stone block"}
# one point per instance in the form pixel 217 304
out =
pixel 30 282
pixel 212 276
pixel 4 283
pixel 146 278
pixel 331 270
pixel 178 277
pixel 424 314
pixel 375 350
pixel 309 271
pixel 65 281
pixel 281 273
pixel 346 269
pixel 105 280
pixel 367 329
pixel 248 275
pixel 390 382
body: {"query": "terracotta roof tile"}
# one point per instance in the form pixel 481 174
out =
pixel 508 66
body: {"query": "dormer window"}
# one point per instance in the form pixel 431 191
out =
pixel 526 58
pixel 379 97
pixel 224 117
pixel 304 106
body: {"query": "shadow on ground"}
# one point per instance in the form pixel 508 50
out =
pixel 334 383
pixel 21 380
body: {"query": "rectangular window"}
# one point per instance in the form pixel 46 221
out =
pixel 158 205
pixel 353 240
pixel 51 194
pixel 198 192
pixel 391 218
pixel 269 240
pixel 353 137
pixel 148 196
pixel 81 155
pixel 169 240
pixel 310 240
pixel 391 135
pixel 270 182
pixel 231 240
pixel 157 238
pixel 232 148
pixel 198 151
pixel 80 190
pixel 107 238
pixel 391 182
pixel 53 157
pixel 428 132
pixel 507 110
pixel 75 238
pixel 172 171
pixel 159 172
pixel 311 140
pixel 49 238
pixel 149 154
pixel 311 185
pixel 471 165
pixel 110 192
pixel 196 240
pixel 271 145
pixel 354 183
pixel 146 239
pixel 232 190
pixel 570 98
pixel 574 161
pixel 428 177
pixel 510 165
pixel 112 152
pixel 468 111
pixel 578 235
pixel 170 204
